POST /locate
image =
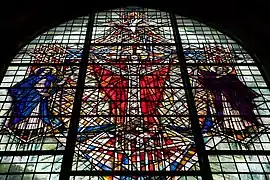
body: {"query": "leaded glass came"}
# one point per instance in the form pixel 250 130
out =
pixel 144 73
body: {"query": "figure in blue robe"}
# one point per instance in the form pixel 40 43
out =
pixel 30 93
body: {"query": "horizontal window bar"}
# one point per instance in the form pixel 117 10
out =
pixel 28 153
pixel 135 173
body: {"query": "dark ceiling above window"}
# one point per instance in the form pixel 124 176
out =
pixel 249 23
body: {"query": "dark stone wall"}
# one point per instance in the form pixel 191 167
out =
pixel 244 21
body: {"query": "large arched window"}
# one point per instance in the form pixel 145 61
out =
pixel 134 93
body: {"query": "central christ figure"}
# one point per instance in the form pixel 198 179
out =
pixel 135 82
pixel 135 88
pixel 134 85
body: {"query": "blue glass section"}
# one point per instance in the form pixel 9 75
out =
pixel 26 98
pixel 194 53
pixel 105 127
pixel 104 167
pixel 125 160
pixel 92 147
pixel 174 165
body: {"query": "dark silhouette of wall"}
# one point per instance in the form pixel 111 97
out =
pixel 248 23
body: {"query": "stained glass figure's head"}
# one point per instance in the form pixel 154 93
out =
pixel 217 53
pixel 45 71
pixel 133 15
pixel 221 70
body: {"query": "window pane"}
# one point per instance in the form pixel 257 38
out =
pixel 134 113
pixel 36 101
pixel 132 26
pixel 232 101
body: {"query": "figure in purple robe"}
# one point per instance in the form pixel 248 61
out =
pixel 220 94
pixel 231 97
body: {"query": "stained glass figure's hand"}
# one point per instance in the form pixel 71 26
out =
pixel 68 74
pixel 44 94
pixel 104 64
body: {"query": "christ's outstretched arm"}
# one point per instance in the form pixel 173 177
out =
pixel 169 59
pixel 109 66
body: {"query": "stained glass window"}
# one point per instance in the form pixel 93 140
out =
pixel 134 93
